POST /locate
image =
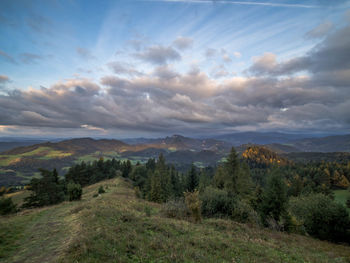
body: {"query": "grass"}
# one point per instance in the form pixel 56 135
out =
pixel 18 197
pixel 341 196
pixel 118 227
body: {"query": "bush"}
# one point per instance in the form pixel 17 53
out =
pixel 216 202
pixel 244 213
pixel 175 209
pixel 348 202
pixel 193 204
pixel 322 217
pixel 137 191
pixel 7 206
pixel 148 210
pixel 74 191
pixel 101 190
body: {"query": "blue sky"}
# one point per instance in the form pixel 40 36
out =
pixel 180 61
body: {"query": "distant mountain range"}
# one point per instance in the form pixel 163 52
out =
pixel 339 143
pixel 19 164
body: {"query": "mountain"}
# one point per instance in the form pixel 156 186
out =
pixel 178 142
pixel 118 227
pixel 338 143
pixel 20 164
pixel 10 143
pixel 260 137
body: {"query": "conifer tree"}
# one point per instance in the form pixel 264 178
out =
pixel 192 181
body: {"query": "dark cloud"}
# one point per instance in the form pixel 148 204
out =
pixel 30 58
pixel 183 43
pixel 332 54
pixel 7 57
pixel 158 55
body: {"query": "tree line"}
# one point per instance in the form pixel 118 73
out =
pixel 284 199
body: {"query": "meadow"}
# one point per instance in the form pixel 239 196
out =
pixel 118 227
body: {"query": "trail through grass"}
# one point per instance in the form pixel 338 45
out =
pixel 115 227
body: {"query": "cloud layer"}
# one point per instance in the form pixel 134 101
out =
pixel 308 92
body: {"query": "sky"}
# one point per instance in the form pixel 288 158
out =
pixel 148 68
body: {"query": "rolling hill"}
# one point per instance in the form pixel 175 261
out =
pixel 339 143
pixel 20 164
pixel 118 227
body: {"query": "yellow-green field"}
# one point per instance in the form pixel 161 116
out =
pixel 115 227
pixel 45 153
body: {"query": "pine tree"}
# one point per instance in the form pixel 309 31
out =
pixel 274 199
pixel 155 193
pixel 192 181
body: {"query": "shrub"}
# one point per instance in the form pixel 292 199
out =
pixel 216 202
pixel 137 191
pixel 74 191
pixel 7 206
pixel 148 210
pixel 101 190
pixel 175 209
pixel 348 202
pixel 244 213
pixel 322 217
pixel 193 204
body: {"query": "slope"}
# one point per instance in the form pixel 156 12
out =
pixel 114 227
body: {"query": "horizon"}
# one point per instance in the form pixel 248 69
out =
pixel 152 68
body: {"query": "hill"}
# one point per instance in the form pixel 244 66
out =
pixel 339 143
pixel 20 164
pixel 118 227
pixel 240 138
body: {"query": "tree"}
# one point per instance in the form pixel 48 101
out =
pixel 74 191
pixel 234 177
pixel 192 180
pixel 155 194
pixel 322 217
pixel 46 190
pixel 7 206
pixel 274 199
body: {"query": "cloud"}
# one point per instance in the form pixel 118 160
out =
pixel 30 58
pixel 183 43
pixel 308 92
pixel 84 53
pixel 320 31
pixel 332 54
pixel 7 57
pixel 4 79
pixel 210 52
pixel 237 54
pixel 122 68
pixel 158 55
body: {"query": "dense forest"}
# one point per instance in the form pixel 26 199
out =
pixel 259 188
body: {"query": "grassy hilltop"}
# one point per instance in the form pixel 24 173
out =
pixel 118 227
